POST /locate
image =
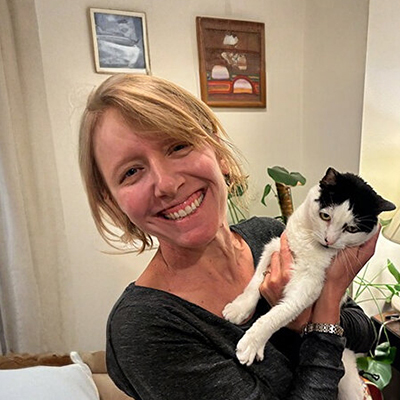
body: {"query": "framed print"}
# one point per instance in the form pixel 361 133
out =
pixel 231 62
pixel 119 41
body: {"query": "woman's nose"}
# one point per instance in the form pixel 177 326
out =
pixel 166 180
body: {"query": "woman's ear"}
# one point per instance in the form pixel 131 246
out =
pixel 224 166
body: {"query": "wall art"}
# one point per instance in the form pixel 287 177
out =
pixel 119 41
pixel 231 62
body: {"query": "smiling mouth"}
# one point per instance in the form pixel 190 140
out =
pixel 183 210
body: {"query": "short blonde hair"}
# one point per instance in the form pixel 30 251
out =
pixel 157 104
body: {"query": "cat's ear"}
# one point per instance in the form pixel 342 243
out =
pixel 385 205
pixel 330 177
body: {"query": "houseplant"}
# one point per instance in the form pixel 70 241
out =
pixel 377 365
pixel 284 181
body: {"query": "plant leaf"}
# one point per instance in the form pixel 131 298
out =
pixel 391 288
pixel 300 178
pixel 384 222
pixel 385 353
pixel 382 371
pixel 267 189
pixel 282 175
pixel 393 270
pixel 362 363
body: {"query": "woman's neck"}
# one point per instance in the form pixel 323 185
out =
pixel 210 277
pixel 222 253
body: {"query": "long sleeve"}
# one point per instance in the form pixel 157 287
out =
pixel 161 347
pixel 320 368
pixel 166 349
pixel 358 327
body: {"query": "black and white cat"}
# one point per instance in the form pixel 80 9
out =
pixel 339 212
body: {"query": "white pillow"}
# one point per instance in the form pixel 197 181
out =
pixel 70 382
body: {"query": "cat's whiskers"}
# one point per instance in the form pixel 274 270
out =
pixel 351 259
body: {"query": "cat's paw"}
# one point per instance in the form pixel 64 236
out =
pixel 249 348
pixel 234 312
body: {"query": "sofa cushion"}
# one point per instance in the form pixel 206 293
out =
pixel 68 382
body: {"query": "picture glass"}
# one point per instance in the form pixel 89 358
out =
pixel 231 61
pixel 120 41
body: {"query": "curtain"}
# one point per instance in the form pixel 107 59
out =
pixel 30 222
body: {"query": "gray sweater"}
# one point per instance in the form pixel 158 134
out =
pixel 161 347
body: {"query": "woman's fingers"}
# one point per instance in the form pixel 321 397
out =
pixel 269 288
pixel 277 274
pixel 285 256
pixel 348 262
pixel 367 250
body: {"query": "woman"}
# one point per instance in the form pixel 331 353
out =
pixel 155 162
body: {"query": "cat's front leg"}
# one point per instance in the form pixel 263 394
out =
pixel 244 305
pixel 251 345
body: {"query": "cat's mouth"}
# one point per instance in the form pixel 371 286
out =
pixel 332 246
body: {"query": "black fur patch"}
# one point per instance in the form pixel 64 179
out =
pixel 365 203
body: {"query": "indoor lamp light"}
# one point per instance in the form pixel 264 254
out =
pixel 392 232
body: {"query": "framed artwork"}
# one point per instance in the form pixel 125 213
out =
pixel 231 62
pixel 119 41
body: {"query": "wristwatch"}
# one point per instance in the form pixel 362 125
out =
pixel 333 329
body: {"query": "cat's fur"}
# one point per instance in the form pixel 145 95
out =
pixel 350 204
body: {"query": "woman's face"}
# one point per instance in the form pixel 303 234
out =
pixel 166 187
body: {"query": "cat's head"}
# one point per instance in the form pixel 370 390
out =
pixel 345 210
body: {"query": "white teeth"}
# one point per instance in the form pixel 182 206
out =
pixel 187 211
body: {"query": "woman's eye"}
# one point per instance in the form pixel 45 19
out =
pixel 180 146
pixel 325 216
pixel 352 229
pixel 129 173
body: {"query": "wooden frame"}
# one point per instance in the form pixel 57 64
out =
pixel 231 62
pixel 119 41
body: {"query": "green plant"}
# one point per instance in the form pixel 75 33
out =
pixel 385 290
pixel 377 365
pixel 235 211
pixel 284 180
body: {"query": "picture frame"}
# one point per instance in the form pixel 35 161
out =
pixel 119 41
pixel 231 62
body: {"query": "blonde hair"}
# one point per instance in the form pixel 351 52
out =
pixel 157 104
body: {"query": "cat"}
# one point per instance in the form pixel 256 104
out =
pixel 339 212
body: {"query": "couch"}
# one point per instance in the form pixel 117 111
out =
pixel 72 376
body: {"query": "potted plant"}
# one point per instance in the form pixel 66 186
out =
pixel 284 181
pixel 376 366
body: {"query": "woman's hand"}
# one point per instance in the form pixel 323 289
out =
pixel 343 269
pixel 277 276
pixel 348 263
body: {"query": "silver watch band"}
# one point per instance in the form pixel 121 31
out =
pixel 333 329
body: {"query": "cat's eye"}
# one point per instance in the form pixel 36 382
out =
pixel 325 216
pixel 351 229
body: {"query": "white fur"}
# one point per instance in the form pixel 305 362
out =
pixel 307 235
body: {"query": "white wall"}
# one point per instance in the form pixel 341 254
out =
pixel 380 149
pixel 334 64
pixel 315 52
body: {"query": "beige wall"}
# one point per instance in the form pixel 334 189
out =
pixel 315 54
pixel 380 151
